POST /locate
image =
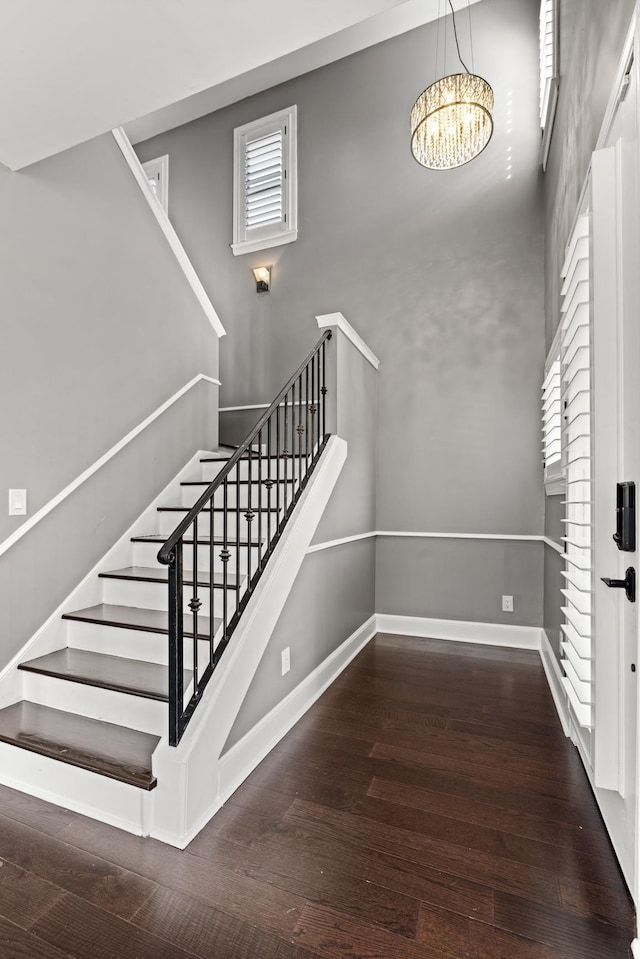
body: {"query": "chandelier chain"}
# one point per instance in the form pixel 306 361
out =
pixel 455 33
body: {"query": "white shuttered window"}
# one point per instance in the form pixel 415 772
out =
pixel 577 651
pixel 552 426
pixel 548 72
pixel 265 176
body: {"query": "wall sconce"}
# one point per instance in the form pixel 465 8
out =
pixel 262 276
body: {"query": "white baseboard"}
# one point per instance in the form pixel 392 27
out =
pixel 554 678
pixel 490 634
pixel 248 752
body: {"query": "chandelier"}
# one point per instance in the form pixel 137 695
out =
pixel 451 120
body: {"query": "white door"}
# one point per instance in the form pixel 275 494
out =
pixel 615 258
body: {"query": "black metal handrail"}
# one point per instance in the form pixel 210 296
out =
pixel 224 499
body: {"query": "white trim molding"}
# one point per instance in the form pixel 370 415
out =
pixel 329 320
pixel 485 634
pixel 171 236
pixel 635 949
pixel 418 534
pixel 559 548
pixel 99 463
pixel 243 757
pixel 517 537
pixel 329 544
pixel 555 677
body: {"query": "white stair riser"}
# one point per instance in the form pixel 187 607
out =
pixel 269 467
pixel 121 592
pixel 191 495
pixel 131 643
pixel 169 520
pixel 100 797
pixel 144 554
pixel 147 715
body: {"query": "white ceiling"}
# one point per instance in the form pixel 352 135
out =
pixel 73 69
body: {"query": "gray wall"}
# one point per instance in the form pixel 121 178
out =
pixel 591 37
pixel 441 273
pixel 334 592
pixel 100 328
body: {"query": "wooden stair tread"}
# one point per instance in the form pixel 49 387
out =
pixel 104 748
pixel 132 676
pixel 160 574
pixel 202 540
pixel 135 617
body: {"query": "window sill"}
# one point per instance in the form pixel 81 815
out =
pixel 265 243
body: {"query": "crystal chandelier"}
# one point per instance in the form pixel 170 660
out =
pixel 451 120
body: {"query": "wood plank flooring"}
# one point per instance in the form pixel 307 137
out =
pixel 427 807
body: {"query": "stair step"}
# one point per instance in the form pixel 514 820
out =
pixel 104 748
pixel 202 540
pixel 134 617
pixel 132 676
pixel 160 574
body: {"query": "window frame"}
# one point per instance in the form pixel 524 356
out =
pixel 286 230
pixel 549 10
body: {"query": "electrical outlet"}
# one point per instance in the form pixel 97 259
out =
pixel 507 604
pixel 285 658
pixel 17 502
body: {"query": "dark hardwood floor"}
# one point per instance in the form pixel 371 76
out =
pixel 427 807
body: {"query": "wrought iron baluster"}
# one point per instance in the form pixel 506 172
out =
pixel 225 556
pixel 212 631
pixel 260 500
pixel 238 507
pixel 269 483
pixel 300 431
pixel 293 440
pixel 312 408
pixel 249 514
pixel 278 468
pixel 306 419
pixel 285 452
pixel 176 649
pixel 324 394
pixel 195 605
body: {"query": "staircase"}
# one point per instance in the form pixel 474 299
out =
pixel 114 666
pixel 96 685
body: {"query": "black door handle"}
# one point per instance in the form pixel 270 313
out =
pixel 628 584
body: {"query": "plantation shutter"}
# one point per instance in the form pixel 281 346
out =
pixel 547 57
pixel 552 421
pixel 577 651
pixel 263 177
pixel 264 183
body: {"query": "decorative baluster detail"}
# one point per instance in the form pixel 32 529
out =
pixel 225 556
pixel 211 583
pixel 313 409
pixel 269 483
pixel 260 500
pixel 324 394
pixel 176 648
pixel 194 606
pixel 237 511
pixel 306 418
pixel 249 513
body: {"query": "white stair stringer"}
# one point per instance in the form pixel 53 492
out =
pixel 188 791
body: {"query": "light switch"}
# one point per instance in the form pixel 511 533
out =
pixel 17 502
